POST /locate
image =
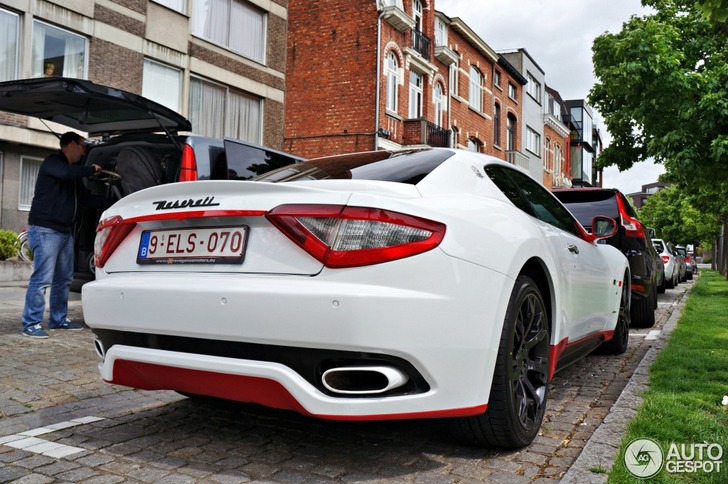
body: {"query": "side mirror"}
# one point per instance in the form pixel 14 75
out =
pixel 603 227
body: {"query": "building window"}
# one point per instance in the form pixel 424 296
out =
pixel 547 161
pixel 391 72
pixel 415 95
pixel 439 103
pixel 218 111
pixel 476 89
pixel 178 5
pixel 417 14
pixel 453 79
pixel 533 141
pixel 29 168
pixel 511 133
pixel 162 84
pixel 440 32
pixel 496 124
pixel 557 159
pixel 231 23
pixel 512 92
pixel 534 88
pixel 57 52
pixel 9 28
pixel 474 145
pixel 497 78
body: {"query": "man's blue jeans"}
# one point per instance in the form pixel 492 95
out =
pixel 52 266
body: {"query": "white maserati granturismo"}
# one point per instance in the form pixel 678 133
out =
pixel 380 285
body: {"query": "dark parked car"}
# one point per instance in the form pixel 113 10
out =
pixel 136 141
pixel 632 239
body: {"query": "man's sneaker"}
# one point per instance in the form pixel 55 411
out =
pixel 67 324
pixel 35 331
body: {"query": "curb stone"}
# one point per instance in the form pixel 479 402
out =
pixel 601 449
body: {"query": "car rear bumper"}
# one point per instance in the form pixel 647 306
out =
pixel 443 325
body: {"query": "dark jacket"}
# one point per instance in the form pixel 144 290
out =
pixel 58 193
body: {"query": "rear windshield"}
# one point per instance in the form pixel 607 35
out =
pixel 403 167
pixel 659 247
pixel 587 204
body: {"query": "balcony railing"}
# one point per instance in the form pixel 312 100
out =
pixel 519 159
pixel 422 132
pixel 421 43
pixel 437 136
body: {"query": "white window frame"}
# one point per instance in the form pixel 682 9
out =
pixel 474 145
pixel 475 98
pixel 29 168
pixel 417 82
pixel 438 102
pixel 497 78
pixel 534 88
pixel 77 68
pixel 453 79
pixel 9 35
pixel 391 70
pixel 440 32
pixel 218 110
pixel 176 5
pixel 417 14
pixel 163 84
pixel 512 93
pixel 533 141
pixel 227 30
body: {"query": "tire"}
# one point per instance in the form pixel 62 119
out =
pixel 620 340
pixel 671 283
pixel 519 392
pixel 642 311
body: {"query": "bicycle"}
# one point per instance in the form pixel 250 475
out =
pixel 24 252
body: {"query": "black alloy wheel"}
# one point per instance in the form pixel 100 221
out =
pixel 519 392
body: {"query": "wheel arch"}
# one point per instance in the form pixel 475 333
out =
pixel 536 269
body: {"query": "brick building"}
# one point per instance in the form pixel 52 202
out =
pixel 390 74
pixel 191 56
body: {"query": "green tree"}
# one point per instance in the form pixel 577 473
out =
pixel 672 214
pixel 663 92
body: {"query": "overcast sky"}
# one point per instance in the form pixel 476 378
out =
pixel 558 35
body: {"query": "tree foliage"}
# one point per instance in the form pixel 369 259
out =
pixel 674 217
pixel 662 88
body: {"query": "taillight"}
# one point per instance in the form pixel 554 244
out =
pixel 109 234
pixel 341 236
pixel 633 227
pixel 665 258
pixel 188 165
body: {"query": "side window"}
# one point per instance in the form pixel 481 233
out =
pixel 544 205
pixel 505 184
pixel 532 198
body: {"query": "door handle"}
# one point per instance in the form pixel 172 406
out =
pixel 573 249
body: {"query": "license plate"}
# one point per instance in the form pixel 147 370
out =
pixel 204 245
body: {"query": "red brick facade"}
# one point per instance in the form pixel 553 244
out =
pixel 332 89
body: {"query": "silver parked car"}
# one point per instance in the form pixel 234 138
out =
pixel 672 264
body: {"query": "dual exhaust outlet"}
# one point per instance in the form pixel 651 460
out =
pixel 363 380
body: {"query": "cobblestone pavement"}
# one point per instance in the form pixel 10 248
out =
pixel 59 422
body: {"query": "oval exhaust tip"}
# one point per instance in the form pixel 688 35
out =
pixel 363 380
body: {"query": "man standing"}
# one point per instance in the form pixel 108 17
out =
pixel 50 223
